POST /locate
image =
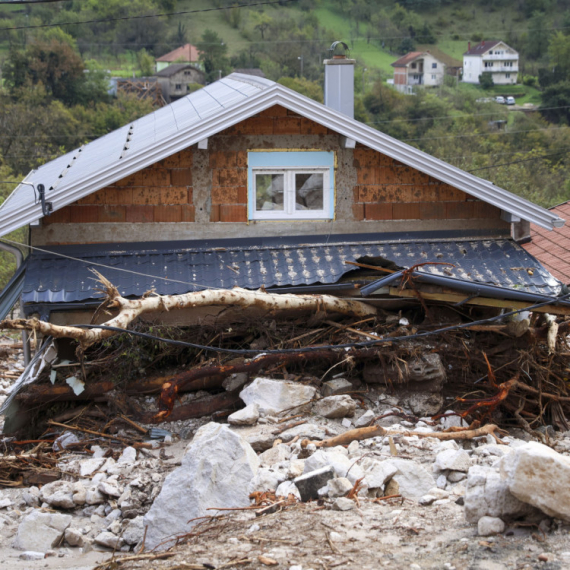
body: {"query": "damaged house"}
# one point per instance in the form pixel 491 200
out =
pixel 248 184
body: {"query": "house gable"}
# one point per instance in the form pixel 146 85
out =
pixel 198 192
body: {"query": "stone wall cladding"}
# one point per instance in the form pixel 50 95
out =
pixel 389 190
pixel 162 192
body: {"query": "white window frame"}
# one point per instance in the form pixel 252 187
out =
pixel 289 211
pixel 290 163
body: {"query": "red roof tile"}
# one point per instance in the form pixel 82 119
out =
pixel 409 57
pixel 482 47
pixel 186 53
pixel 552 248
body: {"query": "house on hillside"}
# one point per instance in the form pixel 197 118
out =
pixel 495 57
pixel 184 54
pixel 248 183
pixel 177 80
pixel 417 69
pixel 552 249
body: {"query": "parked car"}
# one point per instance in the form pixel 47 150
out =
pixel 500 100
pixel 510 100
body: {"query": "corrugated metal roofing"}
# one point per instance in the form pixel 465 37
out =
pixel 53 279
pixel 206 112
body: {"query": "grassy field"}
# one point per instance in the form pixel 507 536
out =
pixel 531 94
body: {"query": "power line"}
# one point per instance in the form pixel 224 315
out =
pixel 11 2
pixel 163 15
pixel 486 134
pixel 517 161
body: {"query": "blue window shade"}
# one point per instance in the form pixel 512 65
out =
pixel 291 160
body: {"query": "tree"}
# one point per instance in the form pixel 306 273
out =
pixel 311 89
pixel 486 80
pixel 559 54
pixel 537 42
pixel 213 54
pixel 261 22
pixel 407 45
pixel 145 62
pixel 556 103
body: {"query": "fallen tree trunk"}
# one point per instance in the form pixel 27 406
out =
pixel 130 309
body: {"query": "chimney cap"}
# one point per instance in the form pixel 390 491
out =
pixel 344 47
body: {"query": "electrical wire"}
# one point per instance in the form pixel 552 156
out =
pixel 517 161
pixel 163 15
pixel 345 346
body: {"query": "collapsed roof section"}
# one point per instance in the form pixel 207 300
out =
pixel 205 113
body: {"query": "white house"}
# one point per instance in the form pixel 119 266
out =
pixel 417 68
pixel 496 57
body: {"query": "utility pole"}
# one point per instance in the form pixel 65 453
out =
pixel 300 58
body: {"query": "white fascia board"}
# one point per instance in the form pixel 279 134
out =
pixel 278 95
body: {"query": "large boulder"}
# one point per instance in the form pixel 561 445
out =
pixel 487 495
pixel 40 532
pixel 539 476
pixel 274 396
pixel 216 472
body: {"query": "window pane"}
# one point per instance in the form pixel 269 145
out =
pixel 308 191
pixel 269 191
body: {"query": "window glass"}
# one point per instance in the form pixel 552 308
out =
pixel 269 191
pixel 309 191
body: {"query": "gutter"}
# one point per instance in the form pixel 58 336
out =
pixel 17 253
pixel 477 289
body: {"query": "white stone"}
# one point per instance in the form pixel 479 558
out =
pixel 353 447
pixel 365 419
pixel 5 503
pixel 266 479
pixel 109 540
pixel 379 473
pixel 134 531
pixel 129 455
pixel 41 531
pixel 58 494
pixel 452 460
pixel 339 487
pixel 89 466
pixel 539 476
pixel 343 504
pixel 413 480
pixel 488 526
pixel 274 455
pixel 309 431
pixel 215 472
pixel 247 416
pixel 296 468
pixel 94 497
pixel 342 465
pixel 487 495
pixel 287 488
pixel 456 476
pixel 335 407
pixel 109 489
pixel 74 537
pixel 451 420
pixel 336 386
pixel 31 555
pixel 274 396
pixel 98 452
pixel 346 423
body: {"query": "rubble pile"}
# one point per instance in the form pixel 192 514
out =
pixel 118 499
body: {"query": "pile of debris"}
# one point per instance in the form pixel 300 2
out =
pixel 357 408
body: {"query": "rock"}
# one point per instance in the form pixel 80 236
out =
pixel 58 494
pixel 346 423
pixel 487 495
pixel 216 472
pixel 31 555
pixel 41 531
pixel 274 396
pixel 427 500
pixel 128 456
pixel 413 480
pixel 262 438
pixel 235 381
pixel 274 455
pixel 456 476
pixel 379 474
pixel 539 476
pixel 109 540
pixel 335 407
pixel 365 419
pixel 452 460
pixel 450 419
pixel 134 531
pixel 487 526
pixel 98 452
pixel 343 504
pixel 287 488
pixel 109 489
pixel 73 537
pixel 64 440
pixel 342 465
pixel 89 466
pixel 308 431
pixel 335 387
pixel 247 416
pixel 94 497
pixel 266 479
pixel 310 483
pixel 339 487
pixel 5 503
